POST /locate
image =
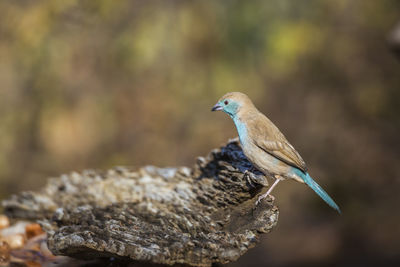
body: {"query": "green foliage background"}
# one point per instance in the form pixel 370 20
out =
pixel 93 84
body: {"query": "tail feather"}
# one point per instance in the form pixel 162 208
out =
pixel 321 192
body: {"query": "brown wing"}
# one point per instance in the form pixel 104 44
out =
pixel 268 137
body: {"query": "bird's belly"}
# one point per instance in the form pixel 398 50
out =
pixel 266 163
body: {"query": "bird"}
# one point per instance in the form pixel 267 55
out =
pixel 266 147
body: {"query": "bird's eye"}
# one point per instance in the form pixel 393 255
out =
pixel 226 102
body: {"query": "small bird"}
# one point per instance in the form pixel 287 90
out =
pixel 265 146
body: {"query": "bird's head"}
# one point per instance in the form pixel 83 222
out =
pixel 232 103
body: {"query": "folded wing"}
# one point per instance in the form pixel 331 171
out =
pixel 268 138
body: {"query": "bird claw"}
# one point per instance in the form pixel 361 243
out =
pixel 246 176
pixel 259 199
pixel 264 196
pixel 254 179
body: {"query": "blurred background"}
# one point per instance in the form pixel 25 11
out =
pixel 94 84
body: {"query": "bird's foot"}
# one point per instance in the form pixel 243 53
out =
pixel 254 179
pixel 264 196
pixel 278 179
pixel 247 176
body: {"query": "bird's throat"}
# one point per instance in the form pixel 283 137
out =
pixel 241 129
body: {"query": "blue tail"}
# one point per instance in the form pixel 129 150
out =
pixel 321 192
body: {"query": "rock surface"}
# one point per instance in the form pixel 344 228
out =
pixel 195 216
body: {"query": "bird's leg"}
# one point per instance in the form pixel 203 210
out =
pixel 278 179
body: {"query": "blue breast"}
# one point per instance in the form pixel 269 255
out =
pixel 241 128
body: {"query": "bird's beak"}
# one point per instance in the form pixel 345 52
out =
pixel 216 107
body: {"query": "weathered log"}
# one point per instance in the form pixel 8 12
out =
pixel 195 216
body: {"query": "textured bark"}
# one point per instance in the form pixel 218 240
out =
pixel 195 216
